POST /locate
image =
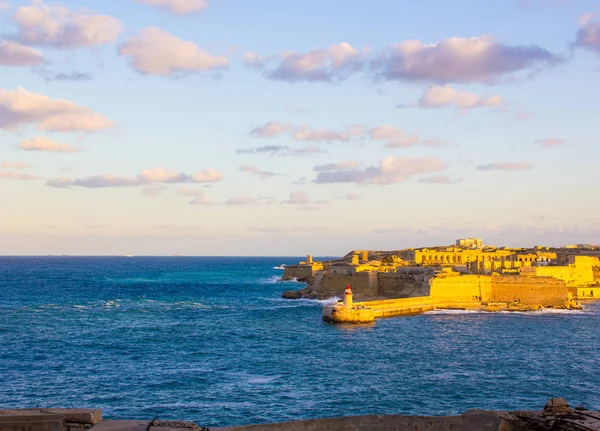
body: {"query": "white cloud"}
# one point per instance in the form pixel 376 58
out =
pixel 14 54
pixel 156 52
pixel 443 95
pixel 59 27
pixel 40 143
pixel 19 107
pixel 391 170
pixel 180 7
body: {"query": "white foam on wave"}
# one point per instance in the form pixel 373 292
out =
pixel 454 312
pixel 281 267
pixel 270 280
pixel 543 311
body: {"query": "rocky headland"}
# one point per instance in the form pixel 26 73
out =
pixel 486 278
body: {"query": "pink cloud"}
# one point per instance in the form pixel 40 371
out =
pixel 436 179
pixel 298 198
pixel 10 175
pixel 19 107
pixel 396 138
pixel 59 27
pixel 330 64
pixel 154 191
pixel 386 132
pixel 14 54
pixel 522 116
pixel 281 150
pixel 306 133
pixel 40 143
pixel 588 35
pixel 270 130
pixel 242 200
pixel 390 170
pixel 335 166
pixel 13 165
pixel 440 96
pixel 257 171
pixel 505 166
pixel 550 142
pixel 475 59
pixel 157 52
pixel 179 7
pixel 145 177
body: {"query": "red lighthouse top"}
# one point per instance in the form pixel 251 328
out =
pixel 348 290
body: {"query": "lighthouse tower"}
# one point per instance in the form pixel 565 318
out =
pixel 348 297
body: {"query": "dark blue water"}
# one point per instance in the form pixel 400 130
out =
pixel 210 340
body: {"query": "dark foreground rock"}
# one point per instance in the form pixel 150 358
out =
pixel 556 416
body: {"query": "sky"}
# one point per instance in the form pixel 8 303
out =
pixel 237 127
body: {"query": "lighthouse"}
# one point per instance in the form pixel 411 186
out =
pixel 348 297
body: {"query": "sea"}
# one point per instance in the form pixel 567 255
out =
pixel 210 340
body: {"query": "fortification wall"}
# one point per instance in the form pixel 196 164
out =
pixel 364 285
pixel 546 291
pixel 579 273
pixel 297 271
pixel 460 288
pixel 398 285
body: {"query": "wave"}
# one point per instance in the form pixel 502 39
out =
pixel 270 280
pixel 282 266
pixel 454 312
pixel 543 311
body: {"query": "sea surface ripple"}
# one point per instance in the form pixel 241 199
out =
pixel 211 341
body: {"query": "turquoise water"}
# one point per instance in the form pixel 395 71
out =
pixel 210 340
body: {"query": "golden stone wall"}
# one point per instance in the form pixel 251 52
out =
pixel 545 291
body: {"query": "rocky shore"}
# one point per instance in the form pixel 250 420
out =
pixel 557 415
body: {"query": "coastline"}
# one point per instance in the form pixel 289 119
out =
pixel 556 415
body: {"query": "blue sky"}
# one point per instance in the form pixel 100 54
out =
pixel 229 127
